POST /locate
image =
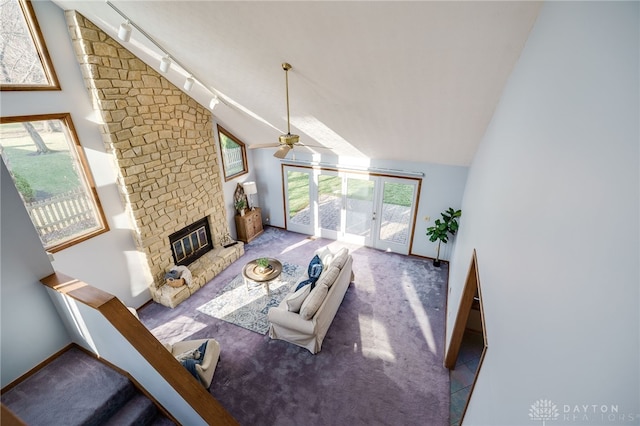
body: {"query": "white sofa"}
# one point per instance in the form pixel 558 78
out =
pixel 292 326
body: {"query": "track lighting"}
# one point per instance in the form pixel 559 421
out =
pixel 214 101
pixel 124 32
pixel 165 63
pixel 188 83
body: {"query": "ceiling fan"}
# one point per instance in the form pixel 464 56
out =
pixel 288 140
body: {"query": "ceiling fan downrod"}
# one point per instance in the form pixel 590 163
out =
pixel 288 139
pixel 286 67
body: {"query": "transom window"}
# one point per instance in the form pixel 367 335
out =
pixel 50 171
pixel 233 153
pixel 24 60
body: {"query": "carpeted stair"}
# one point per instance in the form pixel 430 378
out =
pixel 77 389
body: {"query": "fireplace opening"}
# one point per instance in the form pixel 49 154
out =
pixel 191 242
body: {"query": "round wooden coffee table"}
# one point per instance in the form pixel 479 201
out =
pixel 252 273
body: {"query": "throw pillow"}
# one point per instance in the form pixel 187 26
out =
pixel 326 256
pixel 340 258
pixel 313 301
pixel 315 268
pixel 313 271
pixel 304 283
pixel 295 299
pixel 329 276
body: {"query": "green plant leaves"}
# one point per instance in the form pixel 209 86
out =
pixel 442 228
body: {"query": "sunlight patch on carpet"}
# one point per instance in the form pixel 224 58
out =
pixel 177 330
pixel 375 339
pixel 422 319
pixel 295 246
pixel 248 308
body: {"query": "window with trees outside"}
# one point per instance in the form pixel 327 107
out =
pixel 49 169
pixel 233 153
pixel 24 60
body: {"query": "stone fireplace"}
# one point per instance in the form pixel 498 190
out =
pixel 191 242
pixel 163 146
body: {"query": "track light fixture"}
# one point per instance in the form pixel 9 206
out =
pixel 165 63
pixel 124 32
pixel 188 83
pixel 214 101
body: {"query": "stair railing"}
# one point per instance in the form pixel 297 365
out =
pixel 101 323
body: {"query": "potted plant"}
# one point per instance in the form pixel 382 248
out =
pixel 442 228
pixel 240 205
pixel 263 265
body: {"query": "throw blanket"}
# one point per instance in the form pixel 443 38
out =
pixel 191 358
pixel 182 272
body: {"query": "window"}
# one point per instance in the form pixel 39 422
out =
pixel 24 61
pixel 234 155
pixel 50 172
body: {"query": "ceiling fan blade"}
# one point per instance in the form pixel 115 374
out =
pixel 282 151
pixel 264 145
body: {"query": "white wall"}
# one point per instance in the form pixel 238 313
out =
pixel 269 181
pixel 229 187
pixel 31 330
pixel 552 207
pixel 109 261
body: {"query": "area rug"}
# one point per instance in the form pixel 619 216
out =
pixel 248 308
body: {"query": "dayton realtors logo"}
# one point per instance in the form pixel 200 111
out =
pixel 544 410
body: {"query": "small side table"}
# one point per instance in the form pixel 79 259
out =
pixel 250 273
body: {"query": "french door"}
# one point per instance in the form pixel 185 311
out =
pixel 395 211
pixel 372 210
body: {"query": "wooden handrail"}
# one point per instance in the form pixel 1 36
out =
pixel 9 418
pixel 146 344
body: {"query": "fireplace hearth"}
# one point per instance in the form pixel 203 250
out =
pixel 191 242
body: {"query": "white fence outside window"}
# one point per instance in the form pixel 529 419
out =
pixel 233 160
pixel 62 215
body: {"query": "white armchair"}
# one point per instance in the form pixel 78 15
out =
pixel 206 369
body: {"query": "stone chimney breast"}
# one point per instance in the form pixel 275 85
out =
pixel 163 146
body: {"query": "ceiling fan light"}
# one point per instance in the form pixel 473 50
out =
pixel 124 32
pixel 165 63
pixel 188 83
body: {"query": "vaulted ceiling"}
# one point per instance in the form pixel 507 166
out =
pixel 409 81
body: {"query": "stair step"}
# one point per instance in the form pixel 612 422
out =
pixel 139 410
pixel 73 389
